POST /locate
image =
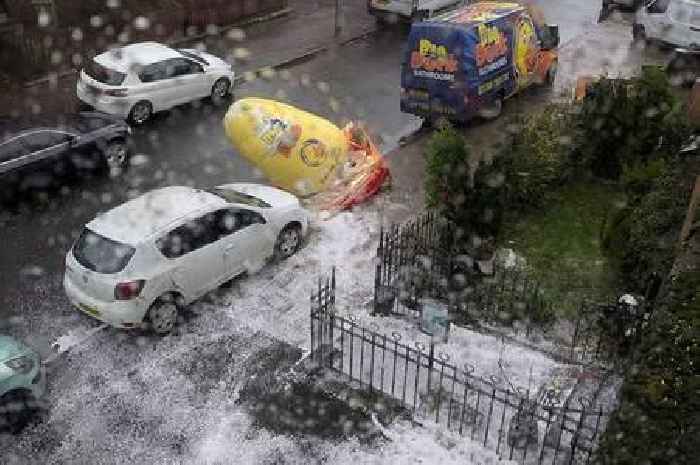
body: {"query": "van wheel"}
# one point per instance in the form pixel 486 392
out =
pixel 162 316
pixel 492 110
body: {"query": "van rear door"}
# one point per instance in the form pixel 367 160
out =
pixel 432 72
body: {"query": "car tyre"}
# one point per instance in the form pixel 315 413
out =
pixel 116 155
pixel 15 410
pixel 288 242
pixel 162 316
pixel 493 110
pixel 220 90
pixel 140 113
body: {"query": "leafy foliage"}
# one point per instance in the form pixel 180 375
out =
pixel 536 159
pixel 475 205
pixel 641 237
pixel 658 421
pixel 623 123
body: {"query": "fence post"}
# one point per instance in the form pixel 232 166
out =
pixel 574 442
pixel 311 320
pixel 331 319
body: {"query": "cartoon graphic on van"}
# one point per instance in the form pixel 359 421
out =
pixel 525 51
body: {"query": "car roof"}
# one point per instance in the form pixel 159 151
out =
pixel 142 53
pixel 10 127
pixel 153 212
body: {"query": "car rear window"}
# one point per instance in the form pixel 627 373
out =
pixel 97 253
pixel 103 74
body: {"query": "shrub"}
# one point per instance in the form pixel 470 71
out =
pixel 473 203
pixel 536 159
pixel 447 173
pixel 628 122
pixel 641 237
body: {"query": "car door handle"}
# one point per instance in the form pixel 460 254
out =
pixel 696 29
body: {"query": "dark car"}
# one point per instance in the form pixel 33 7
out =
pixel 36 150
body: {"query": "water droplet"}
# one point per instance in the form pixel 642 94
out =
pixel 44 18
pixel 139 160
pixel 96 21
pixel 142 23
pixel 236 34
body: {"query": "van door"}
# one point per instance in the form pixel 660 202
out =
pixel 525 52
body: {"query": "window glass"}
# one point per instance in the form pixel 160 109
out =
pixel 190 236
pixel 659 6
pixel 39 140
pixel 103 74
pixel 247 218
pixel 97 253
pixel 154 72
pixel 239 197
pixel 11 149
pixel 180 67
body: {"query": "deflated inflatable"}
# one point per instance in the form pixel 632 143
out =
pixel 306 154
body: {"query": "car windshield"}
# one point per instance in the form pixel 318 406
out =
pixel 97 253
pixel 103 74
pixel 194 57
pixel 239 197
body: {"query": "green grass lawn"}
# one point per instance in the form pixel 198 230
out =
pixel 561 243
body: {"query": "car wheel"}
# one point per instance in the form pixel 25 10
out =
pixel 116 155
pixel 288 242
pixel 15 410
pixel 141 112
pixel 220 90
pixel 162 316
pixel 492 110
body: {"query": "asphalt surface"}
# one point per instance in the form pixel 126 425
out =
pixel 187 145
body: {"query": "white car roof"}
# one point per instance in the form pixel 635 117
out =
pixel 142 53
pixel 136 220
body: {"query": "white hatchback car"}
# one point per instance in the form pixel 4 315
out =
pixel 137 80
pixel 143 261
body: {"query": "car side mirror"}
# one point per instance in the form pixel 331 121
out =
pixel 551 37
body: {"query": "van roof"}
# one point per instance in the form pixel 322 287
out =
pixel 480 12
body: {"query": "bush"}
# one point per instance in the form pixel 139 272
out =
pixel 641 237
pixel 473 203
pixel 536 159
pixel 629 122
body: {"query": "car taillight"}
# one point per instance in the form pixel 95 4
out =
pixel 128 290
pixel 116 92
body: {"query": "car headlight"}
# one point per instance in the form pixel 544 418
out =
pixel 21 365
